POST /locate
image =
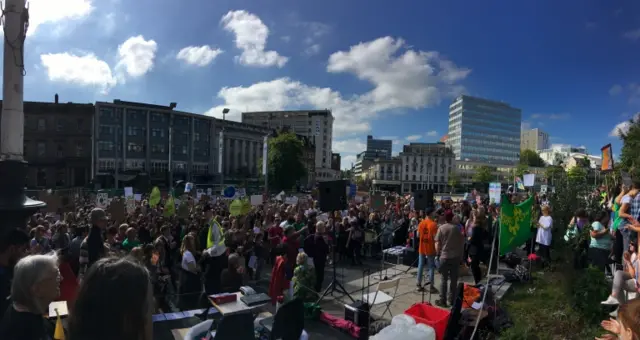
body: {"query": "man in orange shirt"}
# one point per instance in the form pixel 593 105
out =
pixel 427 230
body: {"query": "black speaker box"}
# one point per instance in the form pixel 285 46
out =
pixel 332 195
pixel 423 199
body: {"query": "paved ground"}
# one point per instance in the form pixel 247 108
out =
pixel 351 278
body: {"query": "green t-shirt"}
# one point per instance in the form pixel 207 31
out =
pixel 128 245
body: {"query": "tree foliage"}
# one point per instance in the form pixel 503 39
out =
pixel 484 175
pixel 553 173
pixel 531 158
pixel 522 169
pixel 630 152
pixel 285 163
pixel 454 180
pixel 577 174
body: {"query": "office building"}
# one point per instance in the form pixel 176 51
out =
pixel 57 144
pixel 534 139
pixel 378 147
pixel 569 156
pixel 314 124
pixel 482 130
pixel 385 174
pixel 336 160
pixel 426 166
pixel 169 145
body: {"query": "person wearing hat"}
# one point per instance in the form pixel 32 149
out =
pixel 92 248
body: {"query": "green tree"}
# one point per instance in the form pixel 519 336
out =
pixel 630 152
pixel 577 174
pixel 454 180
pixel 285 161
pixel 522 169
pixel 531 158
pixel 484 175
pixel 553 173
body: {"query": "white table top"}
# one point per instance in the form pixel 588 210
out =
pixel 235 307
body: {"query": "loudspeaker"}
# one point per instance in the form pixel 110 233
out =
pixel 423 199
pixel 332 195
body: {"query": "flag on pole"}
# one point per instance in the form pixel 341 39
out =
pixel 154 197
pixel 169 207
pixel 58 333
pixel 515 224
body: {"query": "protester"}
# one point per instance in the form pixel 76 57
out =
pixel 114 302
pixel 303 279
pixel 36 283
pixel 449 245
pixel 544 235
pixel 427 231
pixel 627 326
pixel 13 246
pixel 92 248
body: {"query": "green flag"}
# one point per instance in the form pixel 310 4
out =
pixel 169 207
pixel 154 197
pixel 515 224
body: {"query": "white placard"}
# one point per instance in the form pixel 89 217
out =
pixel 495 190
pixel 128 192
pixel 188 187
pixel 102 200
pixel 256 200
pixel 292 200
pixel 131 205
pixel 137 197
pixel 528 179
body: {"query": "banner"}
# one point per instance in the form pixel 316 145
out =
pixel 515 224
pixel 607 158
pixel 495 191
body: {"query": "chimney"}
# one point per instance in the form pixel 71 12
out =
pixel 56 98
pixel 173 105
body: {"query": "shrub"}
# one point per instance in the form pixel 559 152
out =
pixel 588 289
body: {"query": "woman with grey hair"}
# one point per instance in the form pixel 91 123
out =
pixel 36 283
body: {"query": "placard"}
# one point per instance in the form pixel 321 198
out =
pixel 102 200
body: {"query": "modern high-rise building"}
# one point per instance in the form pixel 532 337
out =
pixel 314 124
pixel 534 139
pixel 378 147
pixel 483 130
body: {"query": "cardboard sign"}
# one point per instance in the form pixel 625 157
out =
pixel 117 210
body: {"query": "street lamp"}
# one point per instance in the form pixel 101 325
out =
pixel 221 147
pixel 15 206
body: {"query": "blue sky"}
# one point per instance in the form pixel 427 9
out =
pixel 387 68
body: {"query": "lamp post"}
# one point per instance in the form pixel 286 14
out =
pixel 221 148
pixel 15 206
pixel 429 174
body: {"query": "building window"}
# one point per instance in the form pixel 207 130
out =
pixel 61 178
pixel 42 178
pixel 60 151
pixel 79 150
pixel 196 137
pixel 157 148
pixel 42 148
pixel 105 146
pixel 59 125
pixel 133 147
pixel 42 124
pixel 80 123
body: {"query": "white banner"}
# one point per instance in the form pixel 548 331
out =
pixel 495 190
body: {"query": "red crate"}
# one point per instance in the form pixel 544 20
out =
pixel 432 316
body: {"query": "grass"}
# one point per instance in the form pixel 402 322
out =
pixel 542 310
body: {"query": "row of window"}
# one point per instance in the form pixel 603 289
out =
pixel 60 125
pixel 41 150
pixel 406 178
pixel 156 166
pixel 154 117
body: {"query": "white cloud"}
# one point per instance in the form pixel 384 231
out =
pixel 54 12
pixel 412 79
pixel 623 127
pixel 84 70
pixel 413 138
pixel 551 116
pixel 347 161
pixel 632 35
pixel 615 90
pixel 251 37
pixel 432 133
pixel 198 55
pixel 352 146
pixel 136 56
pixel 312 50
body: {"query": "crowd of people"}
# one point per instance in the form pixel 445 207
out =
pixel 120 272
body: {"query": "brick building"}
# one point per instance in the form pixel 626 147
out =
pixel 57 144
